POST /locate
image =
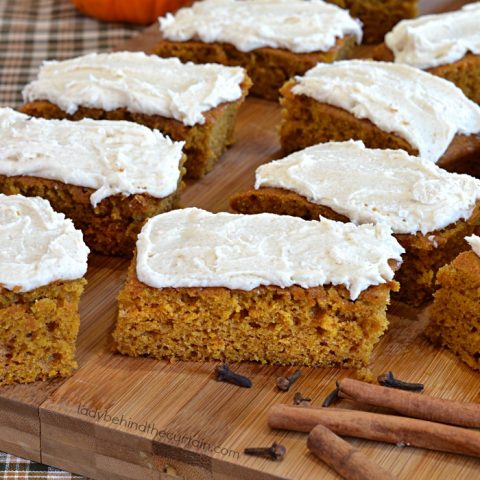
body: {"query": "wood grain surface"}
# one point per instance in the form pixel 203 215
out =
pixel 123 418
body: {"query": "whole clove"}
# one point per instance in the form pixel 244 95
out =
pixel 331 398
pixel 224 374
pixel 388 380
pixel 275 452
pixel 284 383
pixel 299 399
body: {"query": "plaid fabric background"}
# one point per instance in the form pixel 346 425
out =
pixel 35 30
pixel 13 468
pixel 32 31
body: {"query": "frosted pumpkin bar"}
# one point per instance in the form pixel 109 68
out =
pixel 455 314
pixel 267 288
pixel 197 104
pixel 272 39
pixel 385 105
pixel 429 210
pixel 445 44
pixel 107 176
pixel 42 263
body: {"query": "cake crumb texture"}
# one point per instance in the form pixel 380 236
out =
pixel 464 73
pixel 378 16
pixel 317 326
pixel 455 314
pixel 38 332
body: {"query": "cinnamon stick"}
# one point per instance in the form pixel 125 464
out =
pixel 379 427
pixel 412 404
pixel 346 460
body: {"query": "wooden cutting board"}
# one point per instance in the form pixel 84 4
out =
pixel 120 418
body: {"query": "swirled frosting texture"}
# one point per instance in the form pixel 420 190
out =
pixel 111 157
pixel 38 245
pixel 425 110
pixel 195 248
pixel 433 40
pixel 141 83
pixel 296 25
pixel 474 242
pixel 375 186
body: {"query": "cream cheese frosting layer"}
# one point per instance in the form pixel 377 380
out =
pixel 141 83
pixel 433 40
pixel 297 25
pixel 195 248
pixel 406 193
pixel 112 157
pixel 474 242
pixel 37 245
pixel 425 110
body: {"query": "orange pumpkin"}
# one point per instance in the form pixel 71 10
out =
pixel 131 11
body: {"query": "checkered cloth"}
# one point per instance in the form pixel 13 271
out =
pixel 35 30
pixel 13 468
pixel 32 31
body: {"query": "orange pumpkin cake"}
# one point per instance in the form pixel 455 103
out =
pixel 42 263
pixel 445 44
pixel 386 105
pixel 455 314
pixel 266 288
pixel 272 39
pixel 429 209
pixel 107 176
pixel 196 104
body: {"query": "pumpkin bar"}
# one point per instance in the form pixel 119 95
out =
pixel 107 176
pixel 42 263
pixel 272 39
pixel 379 16
pixel 266 288
pixel 196 104
pixel 429 209
pixel 445 44
pixel 455 314
pixel 385 105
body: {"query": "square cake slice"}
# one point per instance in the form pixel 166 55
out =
pixel 429 210
pixel 445 44
pixel 196 104
pixel 107 176
pixel 385 105
pixel 272 39
pixel 455 314
pixel 42 263
pixel 266 288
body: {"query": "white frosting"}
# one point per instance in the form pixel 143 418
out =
pixel 37 245
pixel 141 83
pixel 433 40
pixel 297 25
pixel 195 248
pixel 474 242
pixel 425 110
pixel 109 156
pixel 375 186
